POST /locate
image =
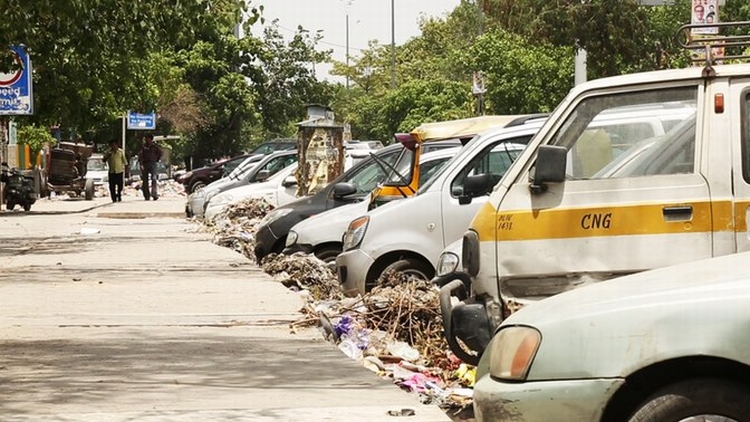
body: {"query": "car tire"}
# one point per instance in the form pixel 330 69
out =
pixel 412 268
pixel 197 185
pixel 328 254
pixel 695 398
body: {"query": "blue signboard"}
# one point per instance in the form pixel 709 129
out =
pixel 139 121
pixel 15 86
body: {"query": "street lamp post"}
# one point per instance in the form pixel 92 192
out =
pixel 393 45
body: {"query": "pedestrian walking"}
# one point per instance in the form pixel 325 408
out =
pixel 148 156
pixel 117 163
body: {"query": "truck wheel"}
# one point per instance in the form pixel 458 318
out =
pixel 696 400
pixel 27 207
pixel 89 189
pixel 328 254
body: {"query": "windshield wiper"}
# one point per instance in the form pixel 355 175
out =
pixel 382 164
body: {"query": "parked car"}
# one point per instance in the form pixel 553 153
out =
pixel 322 234
pixel 409 235
pixel 279 189
pixel 280 144
pixel 202 176
pixel 97 169
pixel 352 186
pixel 255 168
pixel 662 345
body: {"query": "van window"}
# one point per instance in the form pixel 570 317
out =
pixel 494 160
pixel 601 129
pixel 430 168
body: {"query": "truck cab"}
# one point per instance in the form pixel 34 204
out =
pixel 580 205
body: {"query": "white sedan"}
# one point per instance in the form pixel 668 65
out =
pixel 278 190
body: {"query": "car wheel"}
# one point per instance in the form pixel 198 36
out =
pixel 328 254
pixel 410 267
pixel 197 185
pixel 708 400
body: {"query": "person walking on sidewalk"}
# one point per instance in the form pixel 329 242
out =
pixel 117 163
pixel 149 155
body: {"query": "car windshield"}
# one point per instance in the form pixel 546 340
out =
pixel 96 164
pixel 372 173
pixel 233 163
pixel 246 165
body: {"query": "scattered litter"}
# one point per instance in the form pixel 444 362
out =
pixel 395 330
pixel 89 230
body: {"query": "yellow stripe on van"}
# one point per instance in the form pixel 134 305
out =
pixel 605 221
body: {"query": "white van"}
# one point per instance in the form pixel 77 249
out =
pixel 576 208
pixel 408 235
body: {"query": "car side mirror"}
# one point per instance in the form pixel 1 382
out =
pixel 262 175
pixel 550 166
pixel 343 189
pixel 289 181
pixel 474 186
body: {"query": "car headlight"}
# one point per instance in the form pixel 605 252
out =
pixel 355 232
pixel 291 238
pixel 220 201
pixel 512 352
pixel 447 263
pixel 200 193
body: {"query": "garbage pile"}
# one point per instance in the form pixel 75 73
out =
pixel 394 330
pixel 167 189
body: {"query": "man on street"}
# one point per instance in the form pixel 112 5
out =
pixel 148 156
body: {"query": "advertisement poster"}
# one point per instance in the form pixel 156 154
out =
pixel 705 12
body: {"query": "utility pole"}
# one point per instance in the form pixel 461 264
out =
pixel 393 45
pixel 347 51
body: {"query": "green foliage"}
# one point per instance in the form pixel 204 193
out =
pixel 36 137
pixel 521 77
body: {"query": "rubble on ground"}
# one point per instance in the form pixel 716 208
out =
pixel 395 330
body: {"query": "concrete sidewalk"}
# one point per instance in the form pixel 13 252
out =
pixel 140 317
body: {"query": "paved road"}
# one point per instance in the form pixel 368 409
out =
pixel 122 312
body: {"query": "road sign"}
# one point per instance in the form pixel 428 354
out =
pixel 140 121
pixel 16 86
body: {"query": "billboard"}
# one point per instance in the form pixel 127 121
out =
pixel 16 97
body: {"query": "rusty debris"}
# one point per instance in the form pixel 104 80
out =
pixel 394 330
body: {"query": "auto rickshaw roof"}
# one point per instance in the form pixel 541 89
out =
pixel 461 128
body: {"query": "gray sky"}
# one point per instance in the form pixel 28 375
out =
pixel 368 20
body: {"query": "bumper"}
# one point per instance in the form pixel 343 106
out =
pixel 564 400
pixel 195 206
pixel 297 247
pixel 351 268
pixel 265 239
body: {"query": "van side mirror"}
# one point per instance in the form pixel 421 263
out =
pixel 474 186
pixel 343 189
pixel 549 168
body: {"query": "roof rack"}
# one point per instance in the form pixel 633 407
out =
pixel 708 43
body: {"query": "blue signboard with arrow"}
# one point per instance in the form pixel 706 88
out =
pixel 16 97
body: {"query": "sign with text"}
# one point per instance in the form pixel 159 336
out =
pixel 16 86
pixel 141 121
pixel 705 12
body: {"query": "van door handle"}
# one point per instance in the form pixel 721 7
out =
pixel 678 213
